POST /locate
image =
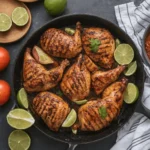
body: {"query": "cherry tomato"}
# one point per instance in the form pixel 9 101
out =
pixel 4 92
pixel 4 58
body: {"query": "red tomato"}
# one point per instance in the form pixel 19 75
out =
pixel 4 92
pixel 4 58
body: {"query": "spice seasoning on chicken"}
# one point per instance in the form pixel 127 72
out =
pixel 147 46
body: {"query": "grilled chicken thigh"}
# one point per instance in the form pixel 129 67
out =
pixel 58 43
pixel 115 90
pixel 76 81
pixel 51 108
pixel 105 53
pixel 91 118
pixel 101 79
pixel 36 78
pixel 91 66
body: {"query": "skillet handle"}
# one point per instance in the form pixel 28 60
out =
pixel 72 146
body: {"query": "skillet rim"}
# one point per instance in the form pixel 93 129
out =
pixel 79 15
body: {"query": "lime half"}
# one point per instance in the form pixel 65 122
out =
pixel 131 93
pixel 81 102
pixel 20 119
pixel 131 69
pixel 22 98
pixel 5 22
pixel 71 119
pixel 19 140
pixel 124 54
pixel 20 16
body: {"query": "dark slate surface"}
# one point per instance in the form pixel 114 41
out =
pixel 102 8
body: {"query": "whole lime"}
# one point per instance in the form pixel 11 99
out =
pixel 55 7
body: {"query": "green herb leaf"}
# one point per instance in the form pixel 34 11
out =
pixel 94 44
pixel 103 112
pixel 59 93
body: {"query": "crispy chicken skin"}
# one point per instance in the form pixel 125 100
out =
pixel 105 54
pixel 36 78
pixel 89 117
pixel 58 43
pixel 51 108
pixel 76 81
pixel 101 79
pixel 90 65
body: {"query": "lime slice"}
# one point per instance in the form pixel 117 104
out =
pixel 74 131
pixel 132 67
pixel 5 22
pixel 124 54
pixel 20 119
pixel 117 42
pixel 131 93
pixel 81 102
pixel 20 16
pixel 71 119
pixel 22 98
pixel 19 140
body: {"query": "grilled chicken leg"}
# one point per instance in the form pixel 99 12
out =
pixel 101 79
pixel 105 53
pixel 37 78
pixel 91 115
pixel 58 43
pixel 51 108
pixel 76 82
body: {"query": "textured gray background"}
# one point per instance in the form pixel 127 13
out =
pixel 102 8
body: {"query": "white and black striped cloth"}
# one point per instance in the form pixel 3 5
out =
pixel 135 135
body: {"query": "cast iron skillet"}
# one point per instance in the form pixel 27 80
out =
pixel 126 111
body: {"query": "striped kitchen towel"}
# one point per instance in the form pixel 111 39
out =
pixel 135 135
pixel 134 20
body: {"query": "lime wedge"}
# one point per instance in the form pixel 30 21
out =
pixel 19 140
pixel 131 93
pixel 70 31
pixel 124 54
pixel 71 119
pixel 81 102
pixel 41 56
pixel 5 22
pixel 132 67
pixel 20 16
pixel 74 131
pixel 117 42
pixel 22 98
pixel 20 119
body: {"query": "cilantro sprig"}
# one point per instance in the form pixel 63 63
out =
pixel 94 44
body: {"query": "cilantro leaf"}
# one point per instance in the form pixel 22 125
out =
pixel 59 93
pixel 103 112
pixel 94 44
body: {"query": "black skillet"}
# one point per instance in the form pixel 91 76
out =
pixel 126 111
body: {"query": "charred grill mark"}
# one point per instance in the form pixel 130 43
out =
pixel 95 118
